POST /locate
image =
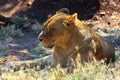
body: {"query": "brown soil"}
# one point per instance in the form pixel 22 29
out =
pixel 40 9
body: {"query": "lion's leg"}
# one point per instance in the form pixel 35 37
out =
pixel 45 61
pixel 42 62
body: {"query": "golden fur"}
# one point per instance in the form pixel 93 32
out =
pixel 71 38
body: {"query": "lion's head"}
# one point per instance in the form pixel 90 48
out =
pixel 57 29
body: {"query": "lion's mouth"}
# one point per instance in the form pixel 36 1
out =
pixel 50 46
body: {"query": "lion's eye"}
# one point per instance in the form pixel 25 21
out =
pixel 50 31
pixel 68 24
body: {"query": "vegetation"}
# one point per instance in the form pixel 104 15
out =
pixel 92 71
pixel 10 31
pixel 38 51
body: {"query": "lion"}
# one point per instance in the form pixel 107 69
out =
pixel 69 37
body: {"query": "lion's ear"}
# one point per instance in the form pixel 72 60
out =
pixel 63 10
pixel 72 18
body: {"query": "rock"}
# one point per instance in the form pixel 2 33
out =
pixel 27 24
pixel 37 26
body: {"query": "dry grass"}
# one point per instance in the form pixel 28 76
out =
pixel 92 71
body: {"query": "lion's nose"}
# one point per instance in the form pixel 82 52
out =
pixel 40 36
pixel 41 39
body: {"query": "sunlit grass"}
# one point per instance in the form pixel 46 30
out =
pixel 89 71
pixel 83 71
